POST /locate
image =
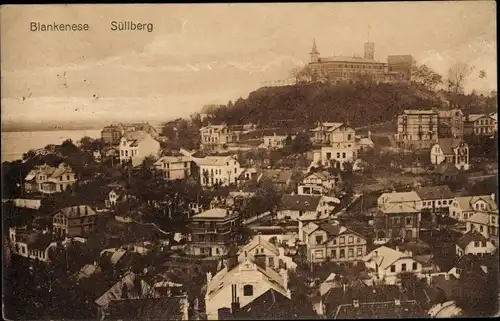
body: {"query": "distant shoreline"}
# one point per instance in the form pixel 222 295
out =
pixel 47 129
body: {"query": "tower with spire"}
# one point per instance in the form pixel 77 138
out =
pixel 314 52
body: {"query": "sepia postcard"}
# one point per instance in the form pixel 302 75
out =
pixel 258 161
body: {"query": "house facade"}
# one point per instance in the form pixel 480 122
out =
pixel 174 167
pixel 397 221
pixel 451 123
pixel 485 223
pixel 216 137
pixel 47 179
pixel 327 242
pixel 417 129
pixel 213 231
pixel 436 198
pixel 241 283
pixel 135 146
pixel 474 243
pixel 318 183
pixel 293 206
pixel 30 244
pixel 479 125
pixel 74 221
pixel 218 170
pixel 386 264
pixel 261 250
pixel 274 141
pixel 464 207
pixel 410 199
pixel 451 150
pixel 330 133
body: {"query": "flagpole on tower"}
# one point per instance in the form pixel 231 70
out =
pixel 369 27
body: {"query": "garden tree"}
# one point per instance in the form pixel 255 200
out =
pixel 477 293
pixel 457 75
pixel 29 154
pixel 347 177
pixel 426 76
pixel 302 74
pixel 301 143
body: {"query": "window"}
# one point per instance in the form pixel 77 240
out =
pixel 350 252
pixel 348 136
pixel 350 239
pixel 319 239
pixel 480 228
pixel 334 253
pixel 415 266
pixel 477 244
pixel 318 254
pixel 248 290
pixel 393 268
pixel 359 251
pixel 483 243
pixel 334 242
pixel 408 221
pixel 403 267
pixel 338 155
pixel 358 240
pixel 271 261
pixel 343 155
pixel 342 240
pixel 439 202
pixel 342 253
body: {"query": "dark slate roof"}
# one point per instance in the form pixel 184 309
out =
pixel 277 176
pixel 469 237
pixel 272 305
pixel 338 296
pixel 164 308
pixel 299 202
pixel 330 229
pixel 381 310
pixel 435 192
pixel 447 144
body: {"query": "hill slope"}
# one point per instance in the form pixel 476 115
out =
pixel 300 105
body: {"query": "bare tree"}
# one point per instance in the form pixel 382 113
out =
pixel 457 75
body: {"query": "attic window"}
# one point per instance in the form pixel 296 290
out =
pixel 248 290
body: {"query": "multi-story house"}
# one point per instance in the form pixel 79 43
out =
pixel 486 224
pixel 464 207
pixel 417 129
pixel 436 198
pixel 318 183
pixel 408 198
pixel 330 133
pixel 473 242
pixel 174 167
pixel 216 137
pixel 494 116
pixel 327 242
pixel 30 244
pixel 274 141
pixel 48 180
pixel 386 264
pixel 451 123
pixel 74 221
pixel 213 231
pixel 111 135
pixel 480 125
pixel 218 170
pixel 451 150
pixel 397 221
pixel 293 207
pixel 259 250
pixel 135 146
pixel 115 196
pixel 237 285
pixel 279 178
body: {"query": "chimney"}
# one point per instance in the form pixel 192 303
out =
pixel 397 302
pixel 209 277
pixel 493 196
pixel 397 248
pixel 86 210
pixel 355 303
pixel 369 134
pixel 235 301
pixel 282 251
pixel 284 275
pixel 78 210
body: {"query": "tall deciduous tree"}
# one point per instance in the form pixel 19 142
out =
pixel 426 76
pixel 457 75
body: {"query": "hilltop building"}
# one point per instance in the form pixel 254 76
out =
pixel 350 69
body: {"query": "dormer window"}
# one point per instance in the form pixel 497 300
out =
pixel 248 290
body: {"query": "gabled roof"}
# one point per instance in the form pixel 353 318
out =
pixel 393 208
pixel 49 171
pixel 448 144
pixel 277 176
pixel 128 281
pixel 471 236
pixel 400 197
pixel 300 202
pixel 172 159
pixel 213 213
pixel 77 211
pixel 323 175
pixel 135 136
pixel 327 126
pixel 434 192
pixel 213 160
pixel 474 117
pixel 466 202
pixel 480 218
pixel 272 305
pixel 258 240
pixel 384 256
pixel 446 168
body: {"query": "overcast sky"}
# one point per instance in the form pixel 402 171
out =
pixel 200 54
